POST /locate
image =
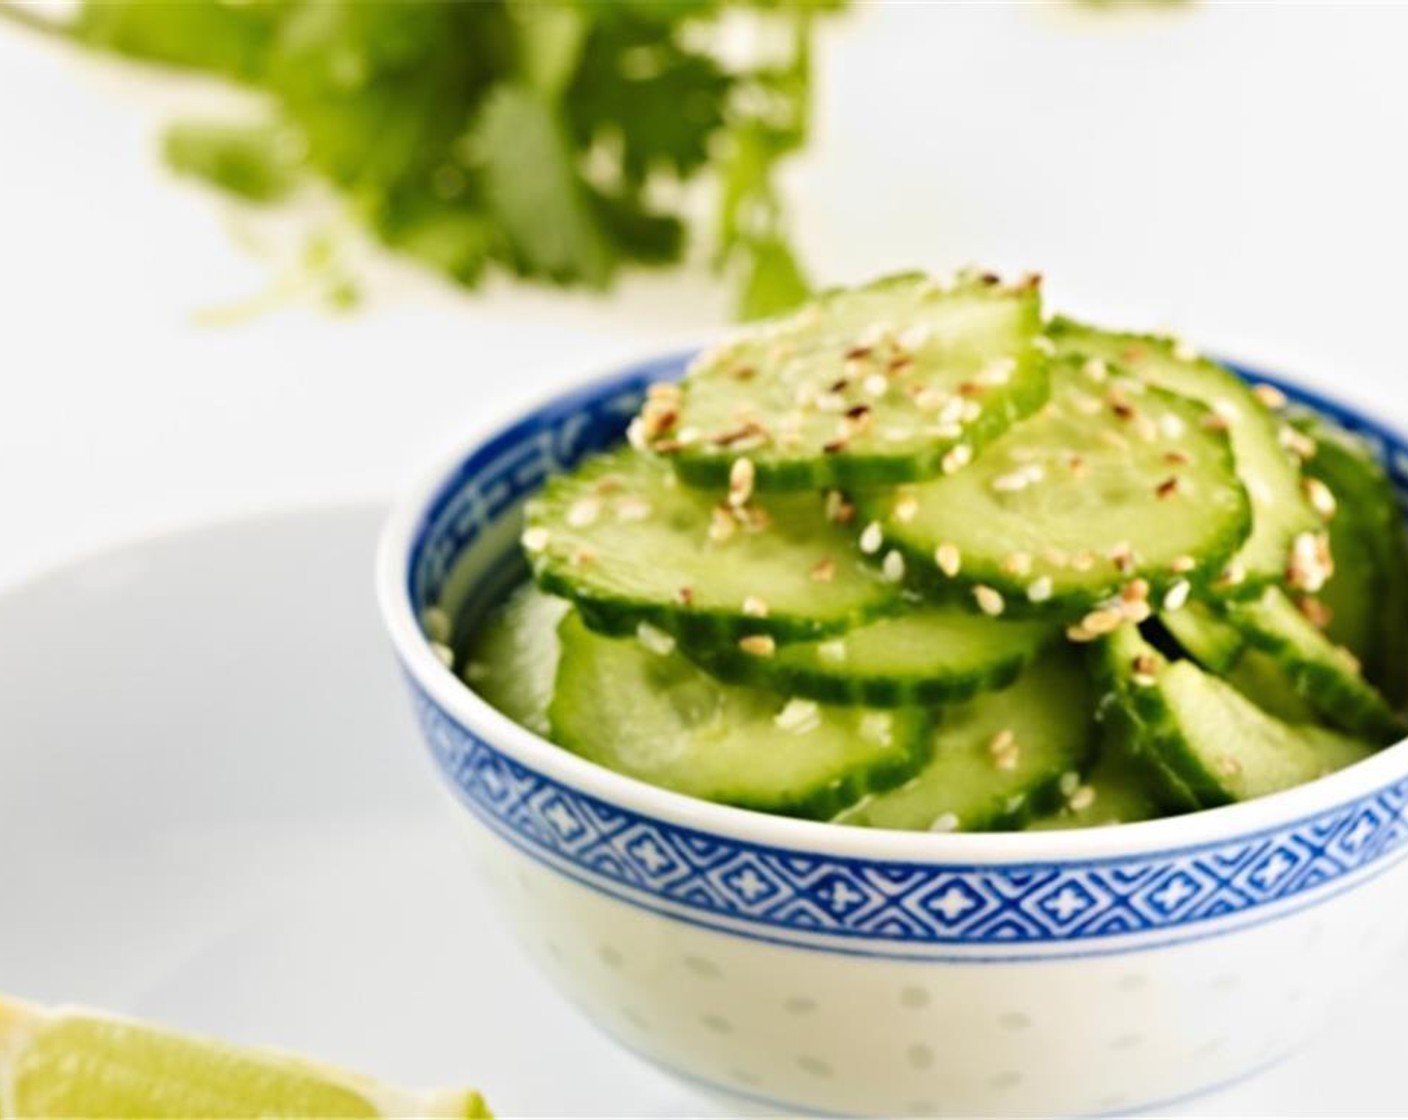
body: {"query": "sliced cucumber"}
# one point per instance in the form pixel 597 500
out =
pixel 1208 637
pixel 1210 739
pixel 997 760
pixel 1120 792
pixel 1112 483
pixel 628 545
pixel 869 386
pixel 1280 511
pixel 1265 682
pixel 1367 596
pixel 929 655
pixel 1323 673
pixel 511 656
pixel 655 716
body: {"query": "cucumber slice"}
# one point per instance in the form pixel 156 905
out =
pixel 622 539
pixel 998 759
pixel 1280 511
pixel 930 655
pixel 657 717
pixel 1120 793
pixel 1210 739
pixel 1208 638
pixel 1367 596
pixel 867 386
pixel 1265 682
pixel 511 656
pixel 1323 673
pixel 1113 482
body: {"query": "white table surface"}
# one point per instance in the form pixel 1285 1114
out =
pixel 1235 171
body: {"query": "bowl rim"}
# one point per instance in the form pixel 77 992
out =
pixel 409 519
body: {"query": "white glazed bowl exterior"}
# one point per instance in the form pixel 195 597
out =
pixel 802 965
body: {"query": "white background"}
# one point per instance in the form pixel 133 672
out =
pixel 1235 171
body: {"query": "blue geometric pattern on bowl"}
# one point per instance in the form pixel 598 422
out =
pixel 786 895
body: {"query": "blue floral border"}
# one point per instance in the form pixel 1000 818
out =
pixel 780 891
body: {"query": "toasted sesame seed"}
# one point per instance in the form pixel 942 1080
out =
pixel 859 351
pixel 1144 670
pixel 1310 565
pixel 799 716
pixel 535 539
pixel 444 653
pixel 871 538
pixel 944 822
pixel 655 640
pixel 1321 498
pixel 1007 760
pixel 583 555
pixel 1176 597
pixel 1121 556
pixel 759 645
pixel 1135 610
pixel 1112 439
pixel 755 607
pixel 824 570
pixel 838 509
pixel 893 566
pixel 834 650
pixel 1182 564
pixel 930 399
pixel 989 600
pixel 1177 458
pixel 632 507
pixel 1017 564
pixel 1082 798
pixel 1040 589
pixel 1232 575
pixel 436 624
pixel 1056 557
pixel 1102 620
pixel 685 596
pixel 1316 611
pixel 1270 396
pixel 906 508
pixel 1167 488
pixel 1135 591
pixel 583 512
pixel 1083 561
pixel 948 559
pixel 957 458
pixel 1229 766
pixel 740 482
pixel 1003 740
pixel 1297 442
pixel 834 446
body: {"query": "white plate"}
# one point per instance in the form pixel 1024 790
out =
pixel 216 814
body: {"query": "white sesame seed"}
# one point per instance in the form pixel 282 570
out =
pixel 759 645
pixel 951 412
pixel 893 566
pixel 989 600
pixel 536 539
pixel 755 607
pixel 892 434
pixel 999 371
pixel 1095 369
pixel 1184 351
pixel 931 399
pixel 871 538
pixel 906 508
pixel 436 624
pixel 740 482
pixel 830 402
pixel 957 458
pixel 1182 564
pixel 1172 425
pixel 875 385
pixel 944 822
pixel 636 435
pixel 655 640
pixel 444 653
pixel 1004 740
pixel 798 716
pixel 824 570
pixel 1069 783
pixel 970 411
pixel 833 650
pixel 722 525
pixel 1297 442
pixel 1082 798
pixel 1010 482
pixel 1017 564
pixel 1270 396
pixel 583 512
pixel 877 727
pixel 1040 589
pixel 915 336
pixel 948 559
pixel 1176 598
pixel 1321 498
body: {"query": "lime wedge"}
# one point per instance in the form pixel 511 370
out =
pixel 65 1063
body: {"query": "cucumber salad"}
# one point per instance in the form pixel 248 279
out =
pixel 920 557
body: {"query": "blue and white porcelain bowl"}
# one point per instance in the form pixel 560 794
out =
pixel 841 970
